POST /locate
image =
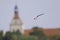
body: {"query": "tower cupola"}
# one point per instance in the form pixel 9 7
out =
pixel 16 13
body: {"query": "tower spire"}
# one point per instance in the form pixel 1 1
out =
pixel 16 23
pixel 16 12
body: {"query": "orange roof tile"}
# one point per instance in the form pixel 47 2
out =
pixel 48 32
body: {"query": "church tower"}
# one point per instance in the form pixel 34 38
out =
pixel 16 23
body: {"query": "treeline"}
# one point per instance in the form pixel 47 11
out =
pixel 16 36
pixel 37 34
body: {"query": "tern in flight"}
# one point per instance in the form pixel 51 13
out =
pixel 38 16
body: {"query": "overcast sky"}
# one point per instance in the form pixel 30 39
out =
pixel 28 9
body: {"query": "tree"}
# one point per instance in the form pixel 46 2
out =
pixel 55 37
pixel 18 36
pixel 39 33
pixel 12 35
pixel 1 35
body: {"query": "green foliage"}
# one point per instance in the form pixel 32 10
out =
pixel 55 37
pixel 39 33
pixel 21 37
pixel 18 36
pixel 1 35
pixel 35 27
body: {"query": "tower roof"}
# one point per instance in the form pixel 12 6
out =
pixel 16 12
pixel 16 7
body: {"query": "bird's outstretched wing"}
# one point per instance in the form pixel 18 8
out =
pixel 38 16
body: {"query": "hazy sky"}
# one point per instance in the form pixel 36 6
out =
pixel 29 9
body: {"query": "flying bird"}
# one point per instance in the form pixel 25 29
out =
pixel 38 16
